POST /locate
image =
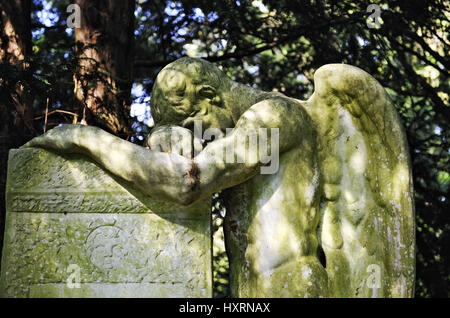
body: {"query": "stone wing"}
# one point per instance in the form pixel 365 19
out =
pixel 367 210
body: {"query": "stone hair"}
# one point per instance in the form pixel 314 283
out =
pixel 197 70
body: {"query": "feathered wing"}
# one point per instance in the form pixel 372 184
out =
pixel 367 209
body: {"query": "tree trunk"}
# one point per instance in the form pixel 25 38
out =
pixel 103 79
pixel 16 99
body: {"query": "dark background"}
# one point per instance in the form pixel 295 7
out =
pixel 102 74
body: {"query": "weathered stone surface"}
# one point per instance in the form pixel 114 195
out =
pixel 335 218
pixel 367 227
pixel 354 201
pixel 64 210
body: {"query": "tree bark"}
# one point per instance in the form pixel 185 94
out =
pixel 103 78
pixel 16 99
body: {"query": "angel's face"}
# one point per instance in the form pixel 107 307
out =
pixel 182 102
pixel 172 99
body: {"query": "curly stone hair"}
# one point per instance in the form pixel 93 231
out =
pixel 173 78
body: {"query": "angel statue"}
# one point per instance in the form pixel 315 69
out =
pixel 331 216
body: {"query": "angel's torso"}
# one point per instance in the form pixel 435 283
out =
pixel 271 230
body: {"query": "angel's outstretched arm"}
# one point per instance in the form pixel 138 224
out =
pixel 184 180
pixel 159 174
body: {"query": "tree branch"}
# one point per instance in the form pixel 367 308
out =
pixel 238 54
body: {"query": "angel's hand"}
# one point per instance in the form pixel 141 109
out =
pixel 63 138
pixel 172 139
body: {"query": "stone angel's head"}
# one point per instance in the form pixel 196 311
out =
pixel 191 89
